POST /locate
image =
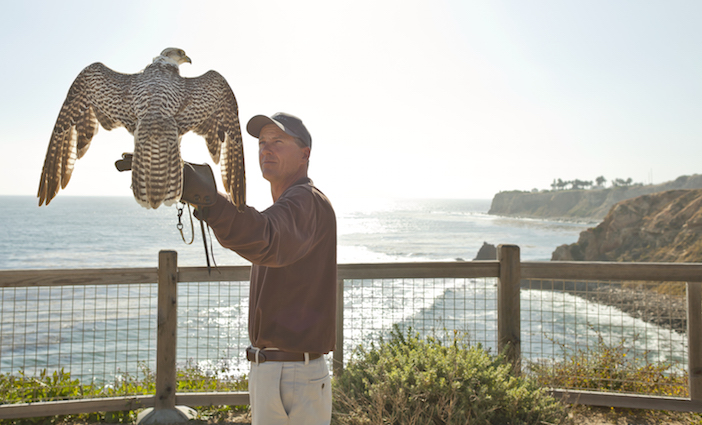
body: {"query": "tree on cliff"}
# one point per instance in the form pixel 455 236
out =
pixel 621 182
pixel 600 181
pixel 580 184
pixel 559 185
pixel 574 184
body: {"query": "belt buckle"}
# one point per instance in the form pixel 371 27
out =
pixel 257 354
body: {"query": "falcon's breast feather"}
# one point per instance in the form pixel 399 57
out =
pixel 157 106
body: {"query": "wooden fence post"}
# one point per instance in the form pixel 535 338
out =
pixel 508 309
pixel 338 361
pixel 694 339
pixel 165 410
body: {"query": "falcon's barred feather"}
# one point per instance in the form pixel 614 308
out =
pixel 157 106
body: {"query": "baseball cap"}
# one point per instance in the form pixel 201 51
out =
pixel 290 124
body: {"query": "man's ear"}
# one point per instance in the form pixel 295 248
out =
pixel 306 153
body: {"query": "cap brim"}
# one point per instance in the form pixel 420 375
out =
pixel 257 123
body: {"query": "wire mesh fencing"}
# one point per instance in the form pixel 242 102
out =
pixel 610 336
pixel 212 333
pixel 434 306
pixel 596 335
pixel 69 340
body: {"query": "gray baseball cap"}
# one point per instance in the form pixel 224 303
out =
pixel 290 124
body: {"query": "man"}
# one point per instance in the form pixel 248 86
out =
pixel 292 306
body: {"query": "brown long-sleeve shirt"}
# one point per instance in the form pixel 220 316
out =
pixel 292 246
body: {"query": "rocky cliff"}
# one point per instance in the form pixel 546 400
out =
pixel 586 205
pixel 664 226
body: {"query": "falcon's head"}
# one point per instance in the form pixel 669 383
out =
pixel 175 55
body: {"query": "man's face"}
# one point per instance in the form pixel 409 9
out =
pixel 279 155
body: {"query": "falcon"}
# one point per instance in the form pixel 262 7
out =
pixel 157 106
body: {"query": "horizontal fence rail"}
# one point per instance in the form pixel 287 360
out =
pixel 470 296
pixel 594 270
pixel 674 272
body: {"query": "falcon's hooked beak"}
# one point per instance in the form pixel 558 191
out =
pixel 176 55
pixel 182 58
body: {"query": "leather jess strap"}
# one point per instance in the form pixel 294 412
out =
pixel 277 356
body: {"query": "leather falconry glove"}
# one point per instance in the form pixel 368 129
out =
pixel 125 164
pixel 199 188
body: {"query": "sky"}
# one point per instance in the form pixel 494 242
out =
pixel 404 99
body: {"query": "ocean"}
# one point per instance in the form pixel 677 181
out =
pixel 112 232
pixel 85 232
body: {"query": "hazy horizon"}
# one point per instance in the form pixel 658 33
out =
pixel 413 99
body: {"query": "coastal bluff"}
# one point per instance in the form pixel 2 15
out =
pixel 660 227
pixel 582 205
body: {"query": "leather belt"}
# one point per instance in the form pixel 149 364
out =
pixel 278 356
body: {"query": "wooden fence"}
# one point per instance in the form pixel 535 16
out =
pixel 508 269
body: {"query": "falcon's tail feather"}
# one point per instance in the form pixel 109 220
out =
pixel 157 170
pixel 232 159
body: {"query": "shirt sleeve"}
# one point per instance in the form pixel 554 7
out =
pixel 275 237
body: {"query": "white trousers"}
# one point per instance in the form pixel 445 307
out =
pixel 290 393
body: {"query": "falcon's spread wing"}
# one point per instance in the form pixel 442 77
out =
pixel 96 95
pixel 210 110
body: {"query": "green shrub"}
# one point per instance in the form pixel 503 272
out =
pixel 58 385
pixel 46 386
pixel 407 380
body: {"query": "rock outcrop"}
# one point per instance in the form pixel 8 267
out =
pixel 486 252
pixel 665 226
pixel 585 205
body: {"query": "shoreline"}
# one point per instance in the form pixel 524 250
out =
pixel 663 310
pixel 594 221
